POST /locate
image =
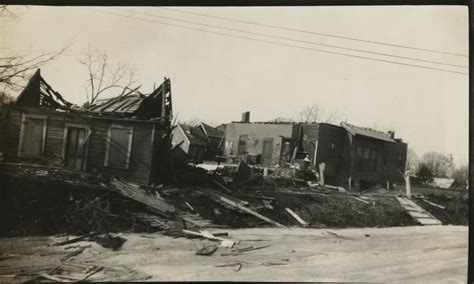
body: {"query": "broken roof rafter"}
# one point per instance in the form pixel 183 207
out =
pixel 39 93
pixel 134 104
pixel 368 132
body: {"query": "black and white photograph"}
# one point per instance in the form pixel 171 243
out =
pixel 234 143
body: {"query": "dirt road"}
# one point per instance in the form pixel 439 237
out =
pixel 411 254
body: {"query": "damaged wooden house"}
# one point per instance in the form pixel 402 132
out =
pixel 126 136
pixel 197 143
pixel 353 156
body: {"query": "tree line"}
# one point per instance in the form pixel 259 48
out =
pixel 436 165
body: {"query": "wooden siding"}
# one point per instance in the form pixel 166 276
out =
pixel 141 153
pixel 378 175
pixel 333 158
pixel 339 160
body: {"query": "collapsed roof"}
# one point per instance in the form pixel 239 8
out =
pixel 368 132
pixel 212 132
pixel 194 135
pixel 39 93
pixel 137 105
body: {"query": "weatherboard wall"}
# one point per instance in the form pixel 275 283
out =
pixel 142 149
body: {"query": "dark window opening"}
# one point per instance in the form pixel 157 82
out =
pixel 399 161
pixel 242 144
pixel 366 159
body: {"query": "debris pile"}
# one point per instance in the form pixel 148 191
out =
pixel 44 200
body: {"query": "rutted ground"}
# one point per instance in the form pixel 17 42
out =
pixel 413 254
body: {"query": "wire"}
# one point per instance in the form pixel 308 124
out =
pixel 295 40
pixel 316 33
pixel 277 43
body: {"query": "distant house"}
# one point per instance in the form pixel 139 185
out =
pixel 126 136
pixel 215 138
pixel 191 141
pixel 200 142
pixel 443 183
pixel 360 155
pixel 268 142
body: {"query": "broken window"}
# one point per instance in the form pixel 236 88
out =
pixel 119 146
pixel 32 136
pixel 242 144
pixel 366 159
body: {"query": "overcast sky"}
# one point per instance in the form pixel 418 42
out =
pixel 216 77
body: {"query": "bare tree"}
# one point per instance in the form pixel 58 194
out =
pixel 439 164
pixel 103 76
pixel 315 113
pixel 461 176
pixel 412 161
pixel 5 11
pixel 15 70
pixel 282 120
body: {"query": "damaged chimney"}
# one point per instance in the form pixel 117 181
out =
pixel 392 134
pixel 246 117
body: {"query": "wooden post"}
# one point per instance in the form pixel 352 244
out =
pixel 407 184
pixel 294 155
pixel 315 152
pixel 163 101
pixel 322 166
pixel 349 179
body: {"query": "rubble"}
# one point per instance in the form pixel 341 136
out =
pixel 51 200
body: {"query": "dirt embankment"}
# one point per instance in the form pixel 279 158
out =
pixel 455 211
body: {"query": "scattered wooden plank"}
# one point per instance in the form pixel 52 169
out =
pixel 429 221
pixel 338 188
pixel 54 278
pixel 237 267
pixel 134 192
pixel 228 264
pixel 253 248
pixel 274 263
pixel 92 273
pixel 74 240
pixel 434 204
pixel 227 243
pixel 189 205
pixel 297 218
pixel 243 208
pixel 361 200
pixel 257 197
pixel 228 190
pixel 220 234
pixel 74 253
pixel 230 253
pixel 267 204
pixel 208 235
pixel 207 250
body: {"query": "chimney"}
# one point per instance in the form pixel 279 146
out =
pixel 392 134
pixel 246 117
